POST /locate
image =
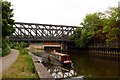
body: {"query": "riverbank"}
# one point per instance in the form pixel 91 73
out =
pixel 103 52
pixel 8 60
pixel 41 70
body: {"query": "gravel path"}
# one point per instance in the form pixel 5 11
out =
pixel 7 61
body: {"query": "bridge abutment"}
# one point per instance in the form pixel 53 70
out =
pixel 54 45
pixel 64 47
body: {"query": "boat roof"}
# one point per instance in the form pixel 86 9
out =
pixel 60 54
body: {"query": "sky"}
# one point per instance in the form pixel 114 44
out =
pixel 58 12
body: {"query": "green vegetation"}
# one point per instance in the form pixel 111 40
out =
pixel 7 26
pixel 5 47
pixel 0 28
pixel 22 68
pixel 98 28
pixel 19 45
pixel 7 21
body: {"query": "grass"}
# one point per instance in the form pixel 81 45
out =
pixel 22 68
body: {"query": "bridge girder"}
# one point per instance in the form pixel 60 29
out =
pixel 41 32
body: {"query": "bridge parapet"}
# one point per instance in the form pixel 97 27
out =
pixel 41 32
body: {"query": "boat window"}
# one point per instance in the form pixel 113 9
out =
pixel 56 56
pixel 63 58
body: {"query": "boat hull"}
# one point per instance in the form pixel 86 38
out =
pixel 55 60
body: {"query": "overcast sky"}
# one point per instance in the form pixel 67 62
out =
pixel 61 12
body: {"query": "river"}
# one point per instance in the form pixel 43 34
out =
pixel 93 67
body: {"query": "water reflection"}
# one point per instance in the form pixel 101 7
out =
pixel 94 67
pixel 60 72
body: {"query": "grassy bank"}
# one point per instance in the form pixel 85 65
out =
pixel 22 68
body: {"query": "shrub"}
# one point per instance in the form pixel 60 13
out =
pixel 5 47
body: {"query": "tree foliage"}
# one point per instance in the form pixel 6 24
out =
pixel 7 21
pixel 7 26
pixel 98 27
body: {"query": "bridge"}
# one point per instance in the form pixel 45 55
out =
pixel 42 32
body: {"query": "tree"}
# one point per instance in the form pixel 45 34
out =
pixel 0 25
pixel 112 29
pixel 7 21
pixel 97 28
pixel 79 37
pixel 7 26
pixel 90 30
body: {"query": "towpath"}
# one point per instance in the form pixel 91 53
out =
pixel 7 61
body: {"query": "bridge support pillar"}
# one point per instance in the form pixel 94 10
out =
pixel 63 47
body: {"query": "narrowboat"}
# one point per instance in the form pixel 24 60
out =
pixel 62 58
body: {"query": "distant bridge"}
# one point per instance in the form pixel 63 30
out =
pixel 41 32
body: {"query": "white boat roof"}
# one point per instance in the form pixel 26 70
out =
pixel 59 54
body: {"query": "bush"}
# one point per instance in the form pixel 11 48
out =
pixel 5 51
pixel 18 45
pixel 5 47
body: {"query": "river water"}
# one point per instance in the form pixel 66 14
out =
pixel 91 66
pixel 94 67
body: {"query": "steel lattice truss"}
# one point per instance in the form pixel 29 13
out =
pixel 41 32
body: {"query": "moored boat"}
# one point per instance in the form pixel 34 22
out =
pixel 62 58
